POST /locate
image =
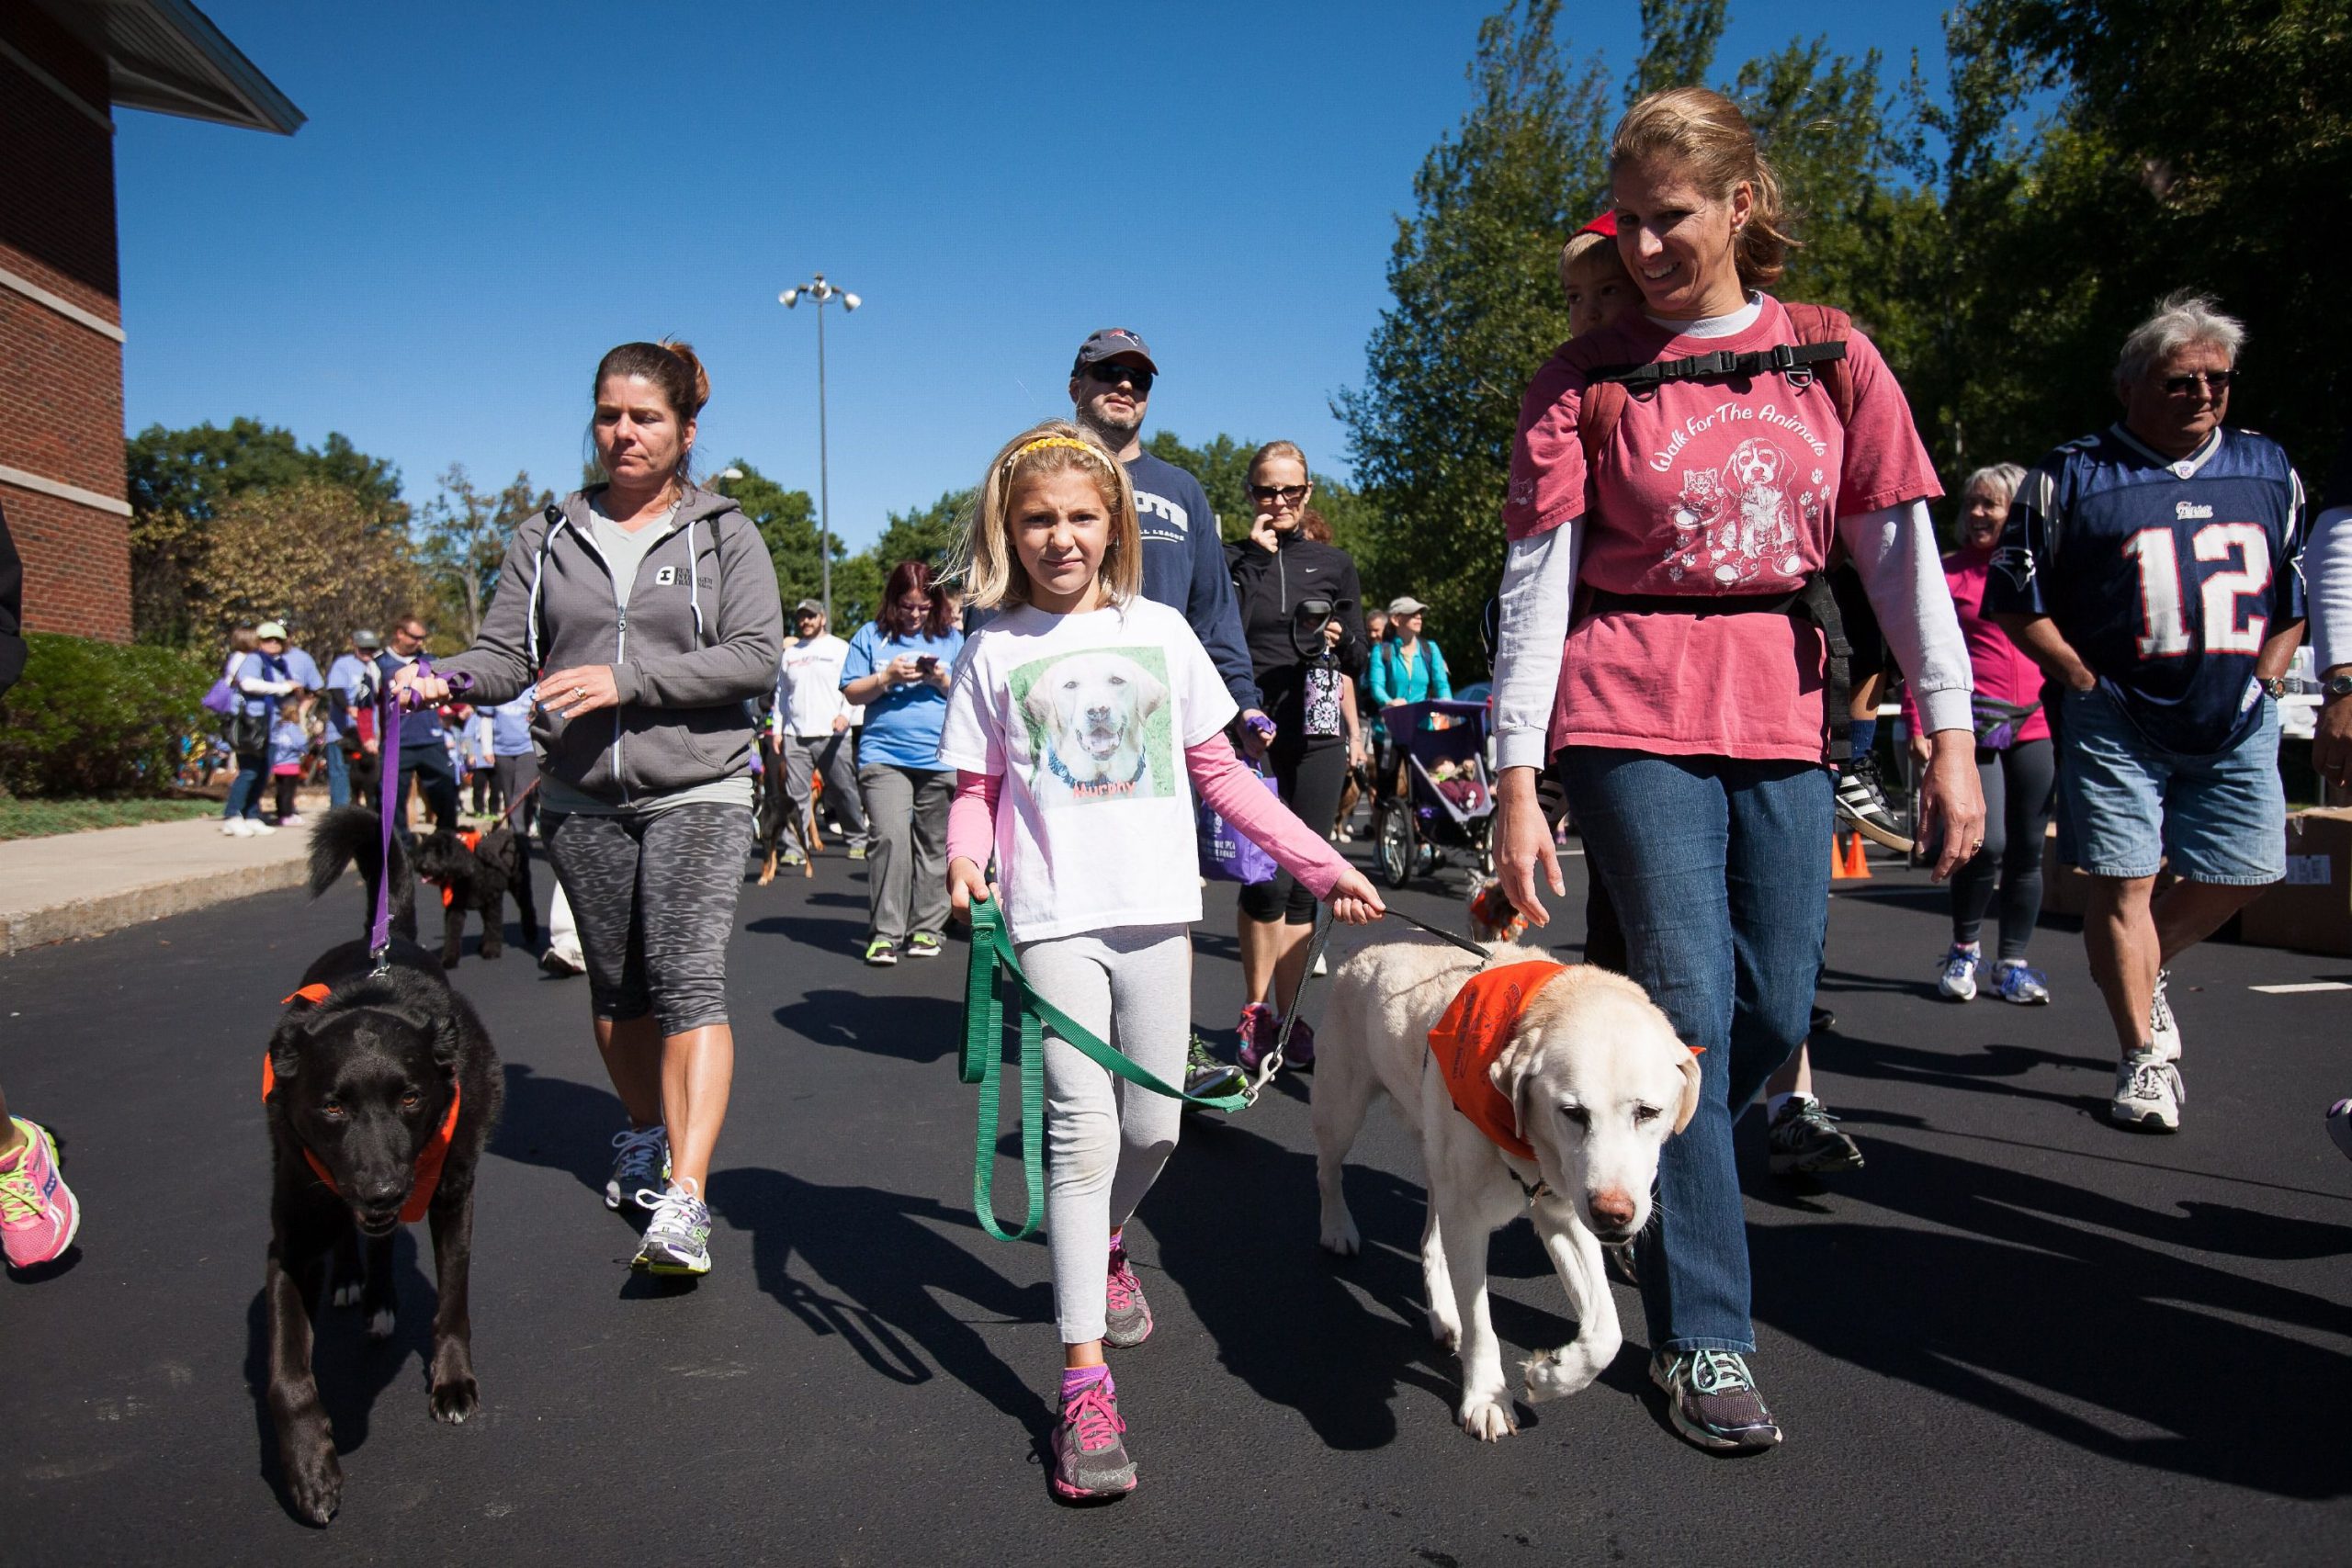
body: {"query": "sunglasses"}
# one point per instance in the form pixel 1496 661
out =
pixel 1292 494
pixel 1111 374
pixel 2182 386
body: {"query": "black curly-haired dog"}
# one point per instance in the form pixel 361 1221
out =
pixel 380 1092
pixel 477 871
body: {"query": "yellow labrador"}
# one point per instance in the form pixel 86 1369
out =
pixel 1596 1080
pixel 1091 711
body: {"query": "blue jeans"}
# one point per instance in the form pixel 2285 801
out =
pixel 1718 874
pixel 338 774
pixel 244 790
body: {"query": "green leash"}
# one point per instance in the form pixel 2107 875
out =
pixel 994 973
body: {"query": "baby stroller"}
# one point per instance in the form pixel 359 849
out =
pixel 1445 814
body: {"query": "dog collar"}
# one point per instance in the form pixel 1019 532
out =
pixel 1477 1024
pixel 428 1162
pixel 1096 789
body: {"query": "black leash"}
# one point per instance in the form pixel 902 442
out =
pixel 1464 942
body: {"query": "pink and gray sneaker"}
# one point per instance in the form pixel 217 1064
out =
pixel 38 1217
pixel 1258 1029
pixel 1261 1026
pixel 1126 1317
pixel 1091 1463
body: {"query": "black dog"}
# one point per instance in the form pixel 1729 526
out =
pixel 476 871
pixel 376 1088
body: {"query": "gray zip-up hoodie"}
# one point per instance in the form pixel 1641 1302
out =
pixel 703 631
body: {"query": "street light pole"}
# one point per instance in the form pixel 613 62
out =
pixel 822 293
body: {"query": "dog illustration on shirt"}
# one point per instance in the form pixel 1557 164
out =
pixel 1090 719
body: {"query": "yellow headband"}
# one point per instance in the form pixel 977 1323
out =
pixel 1045 441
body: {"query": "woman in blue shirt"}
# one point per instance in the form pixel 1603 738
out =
pixel 898 669
pixel 1405 668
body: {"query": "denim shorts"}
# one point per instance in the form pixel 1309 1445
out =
pixel 2134 806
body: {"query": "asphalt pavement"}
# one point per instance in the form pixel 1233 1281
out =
pixel 2019 1333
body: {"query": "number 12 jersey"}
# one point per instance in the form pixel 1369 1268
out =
pixel 2166 575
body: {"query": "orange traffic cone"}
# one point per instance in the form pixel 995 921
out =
pixel 1857 866
pixel 1837 872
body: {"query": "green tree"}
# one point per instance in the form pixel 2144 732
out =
pixel 1476 309
pixel 786 520
pixel 462 535
pixel 309 552
pixel 179 479
pixel 932 534
pixel 2205 145
pixel 1679 41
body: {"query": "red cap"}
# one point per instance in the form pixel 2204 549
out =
pixel 1605 225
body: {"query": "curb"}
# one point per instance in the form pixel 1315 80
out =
pixel 109 912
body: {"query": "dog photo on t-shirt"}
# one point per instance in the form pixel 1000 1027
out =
pixel 1098 726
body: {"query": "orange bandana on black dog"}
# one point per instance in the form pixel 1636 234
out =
pixel 1476 1026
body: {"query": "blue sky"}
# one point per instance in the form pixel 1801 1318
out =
pixel 487 196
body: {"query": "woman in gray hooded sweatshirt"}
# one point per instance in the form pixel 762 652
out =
pixel 646 609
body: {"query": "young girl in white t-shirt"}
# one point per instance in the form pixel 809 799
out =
pixel 1082 720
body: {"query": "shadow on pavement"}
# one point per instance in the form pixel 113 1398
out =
pixel 1235 1219
pixel 1991 1068
pixel 352 1370
pixel 887 1265
pixel 558 1123
pixel 2043 1311
pixel 832 935
pixel 911 1028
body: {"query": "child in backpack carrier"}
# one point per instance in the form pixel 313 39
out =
pixel 1081 721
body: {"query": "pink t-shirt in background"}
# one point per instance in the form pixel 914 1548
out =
pixel 2004 672
pixel 1708 488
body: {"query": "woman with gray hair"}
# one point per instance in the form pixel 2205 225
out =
pixel 2015 765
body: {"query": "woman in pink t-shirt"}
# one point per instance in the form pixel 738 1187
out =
pixel 2014 765
pixel 1685 696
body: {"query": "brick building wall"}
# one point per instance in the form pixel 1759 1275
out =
pixel 60 340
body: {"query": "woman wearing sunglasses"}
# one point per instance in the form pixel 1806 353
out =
pixel 1302 617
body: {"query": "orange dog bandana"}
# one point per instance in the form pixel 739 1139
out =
pixel 470 840
pixel 1476 1026
pixel 428 1162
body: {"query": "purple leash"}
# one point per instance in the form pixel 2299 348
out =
pixel 388 754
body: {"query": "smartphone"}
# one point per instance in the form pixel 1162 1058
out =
pixel 927 663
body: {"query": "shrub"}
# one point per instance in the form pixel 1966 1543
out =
pixel 93 718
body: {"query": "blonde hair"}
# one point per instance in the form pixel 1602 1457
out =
pixel 1707 139
pixel 1582 245
pixel 992 572
pixel 1280 449
pixel 1995 479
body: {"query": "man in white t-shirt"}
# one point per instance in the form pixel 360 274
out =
pixel 815 726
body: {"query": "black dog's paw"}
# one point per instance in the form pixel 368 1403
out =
pixel 314 1480
pixel 347 1294
pixel 456 1398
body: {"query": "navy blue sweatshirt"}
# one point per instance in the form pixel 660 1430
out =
pixel 1184 567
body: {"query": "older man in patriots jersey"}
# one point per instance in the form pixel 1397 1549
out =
pixel 2152 572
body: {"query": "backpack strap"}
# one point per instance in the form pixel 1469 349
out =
pixel 1819 355
pixel 1827 325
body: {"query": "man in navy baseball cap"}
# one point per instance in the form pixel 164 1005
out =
pixel 1115 344
pixel 1184 557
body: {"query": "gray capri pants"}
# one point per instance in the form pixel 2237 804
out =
pixel 654 898
pixel 1106 1140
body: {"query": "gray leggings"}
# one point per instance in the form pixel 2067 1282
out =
pixel 654 898
pixel 1106 1139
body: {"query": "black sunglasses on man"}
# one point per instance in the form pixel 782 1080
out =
pixel 1110 373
